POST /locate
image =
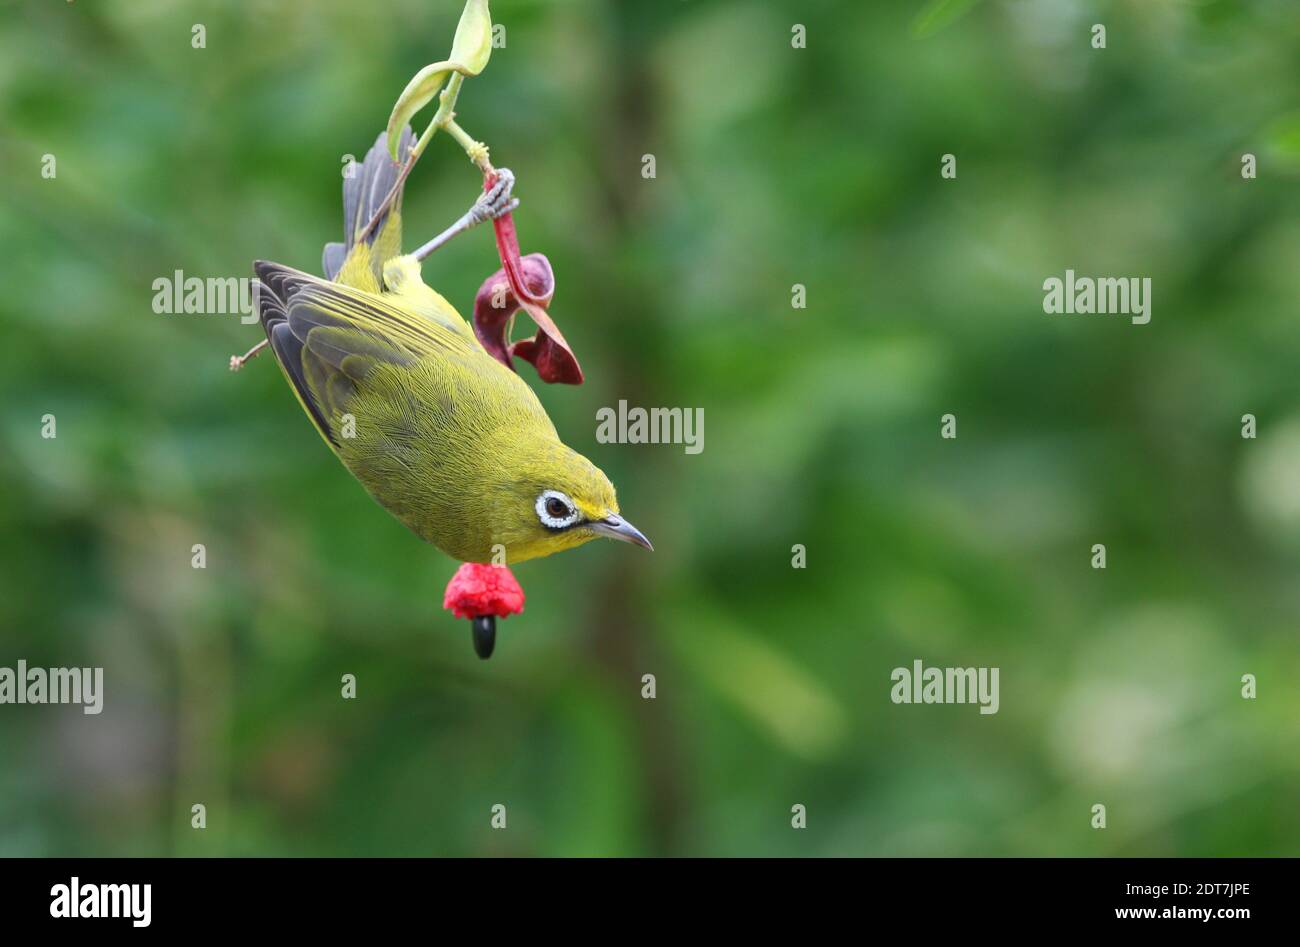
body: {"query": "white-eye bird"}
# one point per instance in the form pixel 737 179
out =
pixel 445 437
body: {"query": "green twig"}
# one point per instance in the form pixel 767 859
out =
pixel 445 117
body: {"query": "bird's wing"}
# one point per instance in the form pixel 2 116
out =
pixel 328 338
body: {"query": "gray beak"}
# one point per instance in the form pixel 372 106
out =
pixel 615 527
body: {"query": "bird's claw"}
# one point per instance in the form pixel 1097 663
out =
pixel 496 200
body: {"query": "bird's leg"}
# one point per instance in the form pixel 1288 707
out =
pixel 492 204
pixel 237 361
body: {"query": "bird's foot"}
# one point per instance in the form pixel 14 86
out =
pixel 496 200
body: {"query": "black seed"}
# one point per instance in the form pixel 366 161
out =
pixel 485 635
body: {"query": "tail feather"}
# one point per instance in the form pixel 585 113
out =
pixel 363 193
pixel 332 259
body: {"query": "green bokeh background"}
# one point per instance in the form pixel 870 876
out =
pixel 775 166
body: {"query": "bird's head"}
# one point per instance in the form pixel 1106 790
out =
pixel 556 499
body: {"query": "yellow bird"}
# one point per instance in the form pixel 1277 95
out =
pixel 445 437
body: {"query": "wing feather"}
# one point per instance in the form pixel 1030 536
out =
pixel 328 338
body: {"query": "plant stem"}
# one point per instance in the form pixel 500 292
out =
pixel 446 103
pixel 443 118
pixel 477 151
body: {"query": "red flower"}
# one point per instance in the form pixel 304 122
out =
pixel 527 284
pixel 478 589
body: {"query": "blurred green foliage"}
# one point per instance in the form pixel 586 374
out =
pixel 775 166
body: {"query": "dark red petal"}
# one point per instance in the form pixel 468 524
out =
pixel 492 322
pixel 547 350
pixel 508 250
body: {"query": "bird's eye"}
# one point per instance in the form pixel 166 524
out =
pixel 555 510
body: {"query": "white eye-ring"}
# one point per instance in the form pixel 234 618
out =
pixel 555 510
